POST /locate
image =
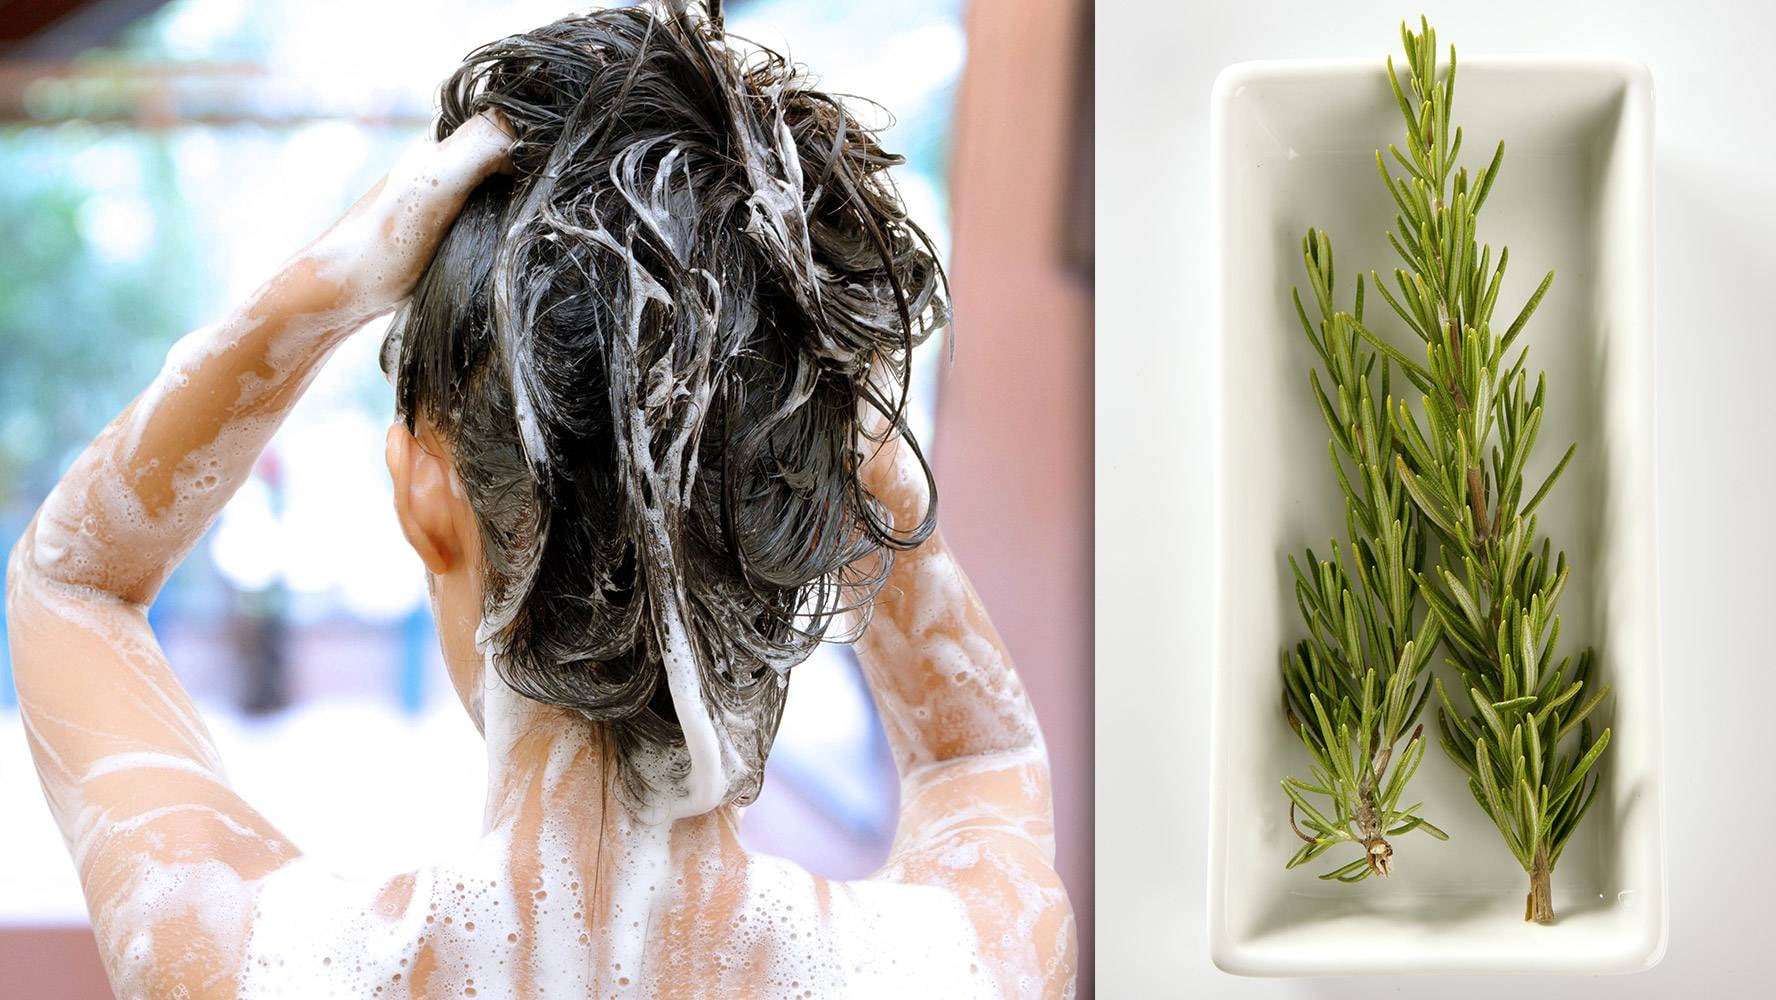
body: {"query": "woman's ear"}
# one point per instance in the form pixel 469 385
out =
pixel 428 509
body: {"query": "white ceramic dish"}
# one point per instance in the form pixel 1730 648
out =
pixel 1293 147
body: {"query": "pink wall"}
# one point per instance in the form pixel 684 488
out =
pixel 51 963
pixel 1014 426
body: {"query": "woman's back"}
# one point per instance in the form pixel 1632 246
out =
pixel 640 914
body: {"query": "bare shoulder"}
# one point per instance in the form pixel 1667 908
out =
pixel 199 927
pixel 202 930
pixel 804 935
pixel 976 912
pixel 441 930
pixel 981 829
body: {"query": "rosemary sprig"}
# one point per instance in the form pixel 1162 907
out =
pixel 1353 686
pixel 1525 739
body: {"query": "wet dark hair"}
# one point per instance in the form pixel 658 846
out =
pixel 651 348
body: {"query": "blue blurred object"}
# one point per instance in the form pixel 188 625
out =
pixel 417 638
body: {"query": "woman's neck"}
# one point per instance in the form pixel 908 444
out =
pixel 548 766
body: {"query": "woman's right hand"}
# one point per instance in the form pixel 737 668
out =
pixel 368 261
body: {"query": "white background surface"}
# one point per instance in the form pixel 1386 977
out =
pixel 1715 297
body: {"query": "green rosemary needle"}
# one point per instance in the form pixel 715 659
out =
pixel 1354 685
pixel 1525 737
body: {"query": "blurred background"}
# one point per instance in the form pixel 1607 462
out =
pixel 158 159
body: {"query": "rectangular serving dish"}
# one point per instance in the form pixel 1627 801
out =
pixel 1293 146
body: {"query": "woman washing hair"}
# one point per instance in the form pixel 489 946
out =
pixel 656 299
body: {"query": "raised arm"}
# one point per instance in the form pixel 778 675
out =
pixel 976 814
pixel 166 851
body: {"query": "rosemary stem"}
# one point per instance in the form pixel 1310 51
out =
pixel 1376 850
pixel 1493 596
pixel 1539 905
